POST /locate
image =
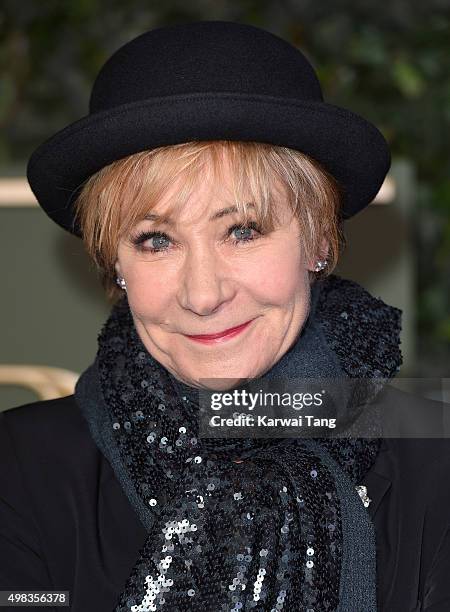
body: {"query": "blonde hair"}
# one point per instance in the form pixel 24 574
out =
pixel 119 195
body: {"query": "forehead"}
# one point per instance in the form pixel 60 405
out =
pixel 213 216
pixel 210 195
pixel 202 195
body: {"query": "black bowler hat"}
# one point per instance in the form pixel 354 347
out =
pixel 207 80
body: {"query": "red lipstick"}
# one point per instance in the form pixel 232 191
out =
pixel 220 336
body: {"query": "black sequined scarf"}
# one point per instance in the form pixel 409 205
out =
pixel 283 529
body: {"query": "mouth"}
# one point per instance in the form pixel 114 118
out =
pixel 220 336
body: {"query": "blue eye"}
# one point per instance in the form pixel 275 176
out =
pixel 242 232
pixel 161 241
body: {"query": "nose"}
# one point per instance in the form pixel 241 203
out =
pixel 205 284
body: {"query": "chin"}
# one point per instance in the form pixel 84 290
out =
pixel 223 384
pixel 222 377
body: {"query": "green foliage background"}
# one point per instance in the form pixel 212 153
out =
pixel 390 62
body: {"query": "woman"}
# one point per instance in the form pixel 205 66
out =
pixel 210 183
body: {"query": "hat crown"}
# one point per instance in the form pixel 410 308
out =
pixel 203 81
pixel 204 56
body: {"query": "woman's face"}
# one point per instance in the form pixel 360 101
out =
pixel 203 280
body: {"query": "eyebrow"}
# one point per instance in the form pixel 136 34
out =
pixel 217 215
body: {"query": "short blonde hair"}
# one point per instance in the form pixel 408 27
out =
pixel 119 195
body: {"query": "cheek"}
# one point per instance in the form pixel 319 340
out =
pixel 149 294
pixel 278 279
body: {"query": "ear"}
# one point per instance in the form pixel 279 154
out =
pixel 118 268
pixel 321 254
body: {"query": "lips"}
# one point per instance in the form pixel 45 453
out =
pixel 228 333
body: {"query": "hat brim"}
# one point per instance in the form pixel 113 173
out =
pixel 352 149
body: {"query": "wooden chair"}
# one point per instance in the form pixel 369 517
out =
pixel 47 382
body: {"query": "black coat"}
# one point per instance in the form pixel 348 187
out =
pixel 66 524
